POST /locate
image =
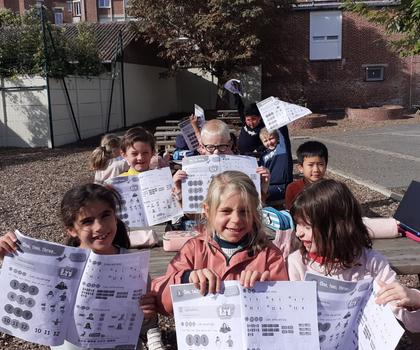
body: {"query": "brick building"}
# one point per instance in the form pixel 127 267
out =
pixel 73 11
pixel 334 59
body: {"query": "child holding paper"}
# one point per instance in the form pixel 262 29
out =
pixel 232 246
pixel 335 242
pixel 249 139
pixel 89 216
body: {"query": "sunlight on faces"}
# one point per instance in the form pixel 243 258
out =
pixel 215 140
pixel 139 156
pixel 269 141
pixel 304 232
pixel 231 220
pixel 313 168
pixel 252 121
pixel 95 226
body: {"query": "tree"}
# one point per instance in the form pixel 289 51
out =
pixel 218 36
pixel 402 19
pixel 22 47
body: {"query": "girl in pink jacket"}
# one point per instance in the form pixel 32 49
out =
pixel 335 243
pixel 232 246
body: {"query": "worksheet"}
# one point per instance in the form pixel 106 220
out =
pixel 188 131
pixel 349 318
pixel 200 171
pixel 51 293
pixel 146 198
pixel 277 113
pixel 280 313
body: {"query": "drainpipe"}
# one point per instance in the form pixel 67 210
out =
pixel 46 68
pixel 121 49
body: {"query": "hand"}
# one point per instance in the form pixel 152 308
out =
pixel 265 180
pixel 148 305
pixel 8 244
pixel 178 177
pixel 206 280
pixel 194 120
pixel 248 278
pixel 402 296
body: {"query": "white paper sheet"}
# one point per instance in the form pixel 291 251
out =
pixel 277 113
pixel 281 313
pixel 200 171
pixel 349 319
pixel 188 131
pixel 40 284
pixel 147 198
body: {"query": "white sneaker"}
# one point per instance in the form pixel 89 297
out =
pixel 154 339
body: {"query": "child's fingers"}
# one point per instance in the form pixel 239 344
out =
pixel 8 243
pixel 265 276
pixel 213 281
pixel 200 281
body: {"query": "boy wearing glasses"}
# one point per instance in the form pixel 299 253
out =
pixel 215 139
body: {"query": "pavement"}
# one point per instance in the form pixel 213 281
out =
pixel 385 159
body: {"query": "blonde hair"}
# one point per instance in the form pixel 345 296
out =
pixel 232 182
pixel 216 127
pixel 101 155
pixel 264 133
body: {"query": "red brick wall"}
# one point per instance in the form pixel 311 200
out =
pixel 11 4
pixel 289 73
pixel 91 11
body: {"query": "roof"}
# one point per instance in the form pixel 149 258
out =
pixel 335 4
pixel 107 36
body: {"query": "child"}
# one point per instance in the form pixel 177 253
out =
pixel 105 159
pixel 335 242
pixel 137 148
pixel 312 158
pixel 276 158
pixel 89 215
pixel 215 138
pixel 232 246
pixel 312 162
pixel 249 140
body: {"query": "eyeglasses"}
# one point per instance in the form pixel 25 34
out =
pixel 220 148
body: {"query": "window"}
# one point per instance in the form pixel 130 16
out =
pixel 104 3
pixel 325 35
pixel 374 73
pixel 70 6
pixel 76 8
pixel 58 16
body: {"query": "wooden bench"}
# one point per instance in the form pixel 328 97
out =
pixel 167 128
pixel 166 134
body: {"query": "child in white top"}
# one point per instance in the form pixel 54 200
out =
pixel 106 159
pixel 89 215
pixel 335 243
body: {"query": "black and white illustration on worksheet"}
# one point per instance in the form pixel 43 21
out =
pixel 281 313
pixel 187 129
pixel 349 318
pixel 200 171
pixel 51 293
pixel 277 113
pixel 146 198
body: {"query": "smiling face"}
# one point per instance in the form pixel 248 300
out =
pixel 223 145
pixel 95 226
pixel 270 141
pixel 139 155
pixel 252 121
pixel 304 232
pixel 313 168
pixel 231 220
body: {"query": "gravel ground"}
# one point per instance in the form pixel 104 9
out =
pixel 32 182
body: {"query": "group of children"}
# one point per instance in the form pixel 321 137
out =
pixel 233 244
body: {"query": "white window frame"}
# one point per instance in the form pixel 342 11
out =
pixel 77 8
pixel 70 6
pixel 325 35
pixel 58 11
pixel 368 67
pixel 104 4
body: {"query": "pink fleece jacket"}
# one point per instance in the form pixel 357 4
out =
pixel 199 254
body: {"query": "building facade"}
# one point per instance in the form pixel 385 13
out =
pixel 73 11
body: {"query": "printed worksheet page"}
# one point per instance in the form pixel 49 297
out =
pixel 146 198
pixel 277 113
pixel 200 171
pixel 280 313
pixel 38 288
pixel 349 318
pixel 187 129
pixel 156 192
pixel 106 312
